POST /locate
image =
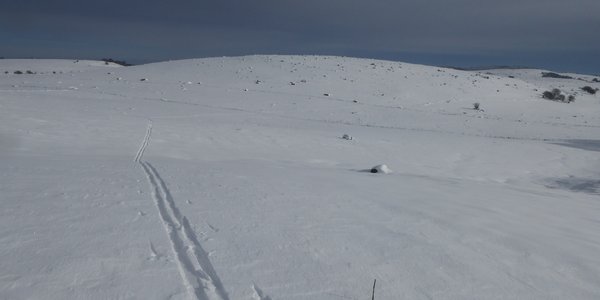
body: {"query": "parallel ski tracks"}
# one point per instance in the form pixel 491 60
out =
pixel 140 153
pixel 198 275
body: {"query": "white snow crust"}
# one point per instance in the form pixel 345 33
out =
pixel 201 184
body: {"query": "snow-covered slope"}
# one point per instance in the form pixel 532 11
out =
pixel 228 178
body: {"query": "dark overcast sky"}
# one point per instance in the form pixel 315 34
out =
pixel 557 34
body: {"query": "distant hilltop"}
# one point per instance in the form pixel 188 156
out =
pixel 483 68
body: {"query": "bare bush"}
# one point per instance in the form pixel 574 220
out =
pixel 557 95
pixel 589 90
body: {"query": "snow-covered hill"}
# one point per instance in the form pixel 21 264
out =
pixel 228 178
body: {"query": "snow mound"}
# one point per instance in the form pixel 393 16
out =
pixel 381 169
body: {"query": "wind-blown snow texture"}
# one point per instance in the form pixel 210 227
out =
pixel 228 178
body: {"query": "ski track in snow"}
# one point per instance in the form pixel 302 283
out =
pixel 140 153
pixel 259 294
pixel 196 270
pixel 198 275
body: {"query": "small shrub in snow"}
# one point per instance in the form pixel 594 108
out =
pixel 476 106
pixel 589 90
pixel 548 95
pixel 596 80
pixel 18 72
pixel 383 169
pixel 556 92
pixel 551 95
pixel 557 95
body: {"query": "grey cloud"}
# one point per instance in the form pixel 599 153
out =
pixel 476 27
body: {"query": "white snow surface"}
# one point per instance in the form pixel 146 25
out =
pixel 201 184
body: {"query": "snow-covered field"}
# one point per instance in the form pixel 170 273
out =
pixel 228 178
